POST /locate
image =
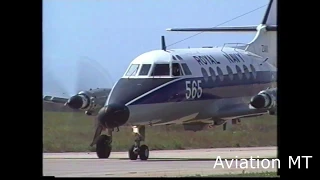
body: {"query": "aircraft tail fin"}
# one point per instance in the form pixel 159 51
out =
pixel 264 43
pixel 269 20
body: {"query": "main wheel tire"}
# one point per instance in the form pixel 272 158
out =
pixel 132 155
pixel 144 152
pixel 103 146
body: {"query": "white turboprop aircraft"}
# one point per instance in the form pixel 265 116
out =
pixel 194 86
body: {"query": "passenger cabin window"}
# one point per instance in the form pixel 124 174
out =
pixel 186 69
pixel 176 69
pixel 239 72
pixel 212 73
pixel 132 71
pixel 145 69
pixel 205 74
pixel 253 70
pixel 230 73
pixel 220 73
pixel 161 70
pixel 246 71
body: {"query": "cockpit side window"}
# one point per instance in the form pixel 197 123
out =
pixel 145 70
pixel 161 70
pixel 132 71
pixel 186 69
pixel 176 69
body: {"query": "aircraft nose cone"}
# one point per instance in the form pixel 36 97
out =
pixel 258 101
pixel 113 115
pixel 75 102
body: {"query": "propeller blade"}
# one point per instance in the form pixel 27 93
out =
pixel 102 70
pixel 53 86
pixel 88 77
pixel 91 74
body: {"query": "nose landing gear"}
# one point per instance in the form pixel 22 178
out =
pixel 138 150
pixel 103 145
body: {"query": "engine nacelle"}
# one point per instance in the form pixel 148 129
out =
pixel 265 99
pixel 89 101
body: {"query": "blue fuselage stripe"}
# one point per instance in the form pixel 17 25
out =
pixel 147 91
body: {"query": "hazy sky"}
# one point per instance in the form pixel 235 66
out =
pixel 106 35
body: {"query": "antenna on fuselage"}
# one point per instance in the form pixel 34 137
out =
pixel 163 43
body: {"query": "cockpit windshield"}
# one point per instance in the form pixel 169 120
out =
pixel 132 71
pixel 161 70
pixel 145 70
pixel 176 69
pixel 186 69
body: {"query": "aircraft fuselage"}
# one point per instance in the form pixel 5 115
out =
pixel 218 85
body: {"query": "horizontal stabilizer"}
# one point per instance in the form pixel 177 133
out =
pixel 223 29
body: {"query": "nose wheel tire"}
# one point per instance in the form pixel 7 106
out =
pixel 103 146
pixel 142 152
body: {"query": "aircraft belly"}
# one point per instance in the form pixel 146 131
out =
pixel 190 111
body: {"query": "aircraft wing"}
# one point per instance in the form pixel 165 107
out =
pixel 51 99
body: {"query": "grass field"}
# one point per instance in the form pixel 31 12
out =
pixel 73 132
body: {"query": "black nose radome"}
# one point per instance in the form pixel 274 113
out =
pixel 258 101
pixel 113 115
pixel 75 102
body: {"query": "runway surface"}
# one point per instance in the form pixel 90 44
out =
pixel 165 163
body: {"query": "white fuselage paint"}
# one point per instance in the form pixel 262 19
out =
pixel 179 112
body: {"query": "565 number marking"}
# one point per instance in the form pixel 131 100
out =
pixel 194 89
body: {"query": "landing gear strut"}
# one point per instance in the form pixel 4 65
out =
pixel 103 145
pixel 138 150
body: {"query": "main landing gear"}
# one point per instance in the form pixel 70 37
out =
pixel 138 150
pixel 104 147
